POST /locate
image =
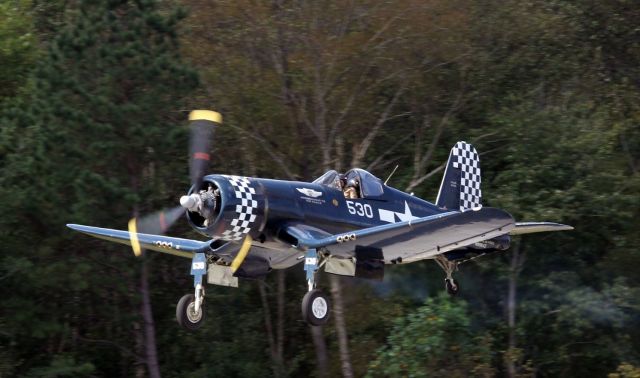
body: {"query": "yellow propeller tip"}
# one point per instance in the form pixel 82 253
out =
pixel 242 254
pixel 133 237
pixel 208 115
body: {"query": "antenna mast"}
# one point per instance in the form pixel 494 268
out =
pixel 392 172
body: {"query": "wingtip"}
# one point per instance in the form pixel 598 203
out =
pixel 534 227
pixel 564 227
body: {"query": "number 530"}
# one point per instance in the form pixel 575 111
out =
pixel 357 208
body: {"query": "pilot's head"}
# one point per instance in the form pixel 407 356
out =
pixel 342 180
pixel 353 183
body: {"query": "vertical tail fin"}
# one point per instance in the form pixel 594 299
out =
pixel 460 187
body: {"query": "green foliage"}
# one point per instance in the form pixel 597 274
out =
pixel 625 370
pixel 573 325
pixel 437 340
pixel 93 95
pixel 62 366
pixel 99 117
pixel 18 47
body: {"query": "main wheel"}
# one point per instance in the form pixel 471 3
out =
pixel 187 317
pixel 452 286
pixel 316 308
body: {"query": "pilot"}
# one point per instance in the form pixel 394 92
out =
pixel 351 189
pixel 341 181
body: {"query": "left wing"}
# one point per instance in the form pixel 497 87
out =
pixel 412 240
pixel 531 227
pixel 165 244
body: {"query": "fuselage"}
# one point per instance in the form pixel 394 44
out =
pixel 278 203
pixel 265 209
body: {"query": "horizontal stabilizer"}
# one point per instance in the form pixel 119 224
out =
pixel 165 244
pixel 532 227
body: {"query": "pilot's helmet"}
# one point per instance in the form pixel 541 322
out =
pixel 353 182
pixel 342 179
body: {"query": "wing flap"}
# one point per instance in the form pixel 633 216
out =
pixel 522 228
pixel 165 244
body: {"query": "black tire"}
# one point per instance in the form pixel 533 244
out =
pixel 318 301
pixel 185 314
pixel 452 286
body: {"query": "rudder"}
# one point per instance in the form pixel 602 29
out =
pixel 460 187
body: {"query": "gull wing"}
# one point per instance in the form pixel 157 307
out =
pixel 412 240
pixel 165 244
pixel 531 227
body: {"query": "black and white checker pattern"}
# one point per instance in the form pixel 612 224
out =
pixel 246 211
pixel 468 161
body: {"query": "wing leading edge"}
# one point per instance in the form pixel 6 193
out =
pixel 531 227
pixel 417 239
pixel 165 244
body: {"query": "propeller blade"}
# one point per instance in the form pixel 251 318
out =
pixel 242 254
pixel 203 124
pixel 156 223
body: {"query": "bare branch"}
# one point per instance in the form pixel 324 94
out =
pixel 349 103
pixel 388 152
pixel 269 149
pixel 441 166
pixel 436 138
pixel 368 140
pixel 419 181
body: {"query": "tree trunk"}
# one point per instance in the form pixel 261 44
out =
pixel 139 338
pixel 321 350
pixel 341 327
pixel 517 259
pixel 269 326
pixel 151 352
pixel 280 276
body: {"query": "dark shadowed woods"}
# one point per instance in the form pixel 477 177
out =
pixel 94 97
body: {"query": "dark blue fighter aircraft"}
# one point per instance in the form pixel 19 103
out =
pixel 351 224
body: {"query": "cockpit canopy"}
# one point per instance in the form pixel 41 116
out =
pixel 369 185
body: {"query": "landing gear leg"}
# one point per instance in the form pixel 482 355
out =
pixel 190 311
pixel 315 304
pixel 449 267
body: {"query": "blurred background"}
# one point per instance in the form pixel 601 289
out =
pixel 94 97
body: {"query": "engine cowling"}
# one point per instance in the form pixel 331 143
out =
pixel 231 208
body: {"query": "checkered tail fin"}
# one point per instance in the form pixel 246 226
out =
pixel 460 187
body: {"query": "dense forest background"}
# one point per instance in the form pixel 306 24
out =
pixel 94 97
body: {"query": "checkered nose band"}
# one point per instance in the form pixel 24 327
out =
pixel 467 160
pixel 246 210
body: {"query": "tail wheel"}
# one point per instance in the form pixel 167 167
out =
pixel 187 317
pixel 452 286
pixel 316 308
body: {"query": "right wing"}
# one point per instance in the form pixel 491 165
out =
pixel 411 240
pixel 165 244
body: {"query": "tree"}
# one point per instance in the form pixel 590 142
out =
pixel 18 47
pixel 435 340
pixel 90 134
pixel 547 91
